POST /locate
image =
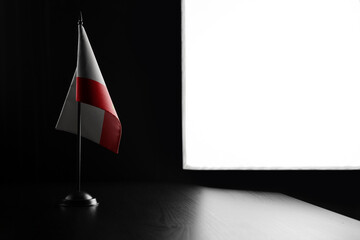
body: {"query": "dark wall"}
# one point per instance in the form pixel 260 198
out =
pixel 138 47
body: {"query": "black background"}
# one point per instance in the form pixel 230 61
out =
pixel 138 47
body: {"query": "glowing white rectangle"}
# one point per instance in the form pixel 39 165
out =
pixel 271 84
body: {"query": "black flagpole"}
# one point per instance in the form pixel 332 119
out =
pixel 79 198
pixel 79 147
pixel 80 23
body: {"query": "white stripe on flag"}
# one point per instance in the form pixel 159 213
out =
pixel 86 64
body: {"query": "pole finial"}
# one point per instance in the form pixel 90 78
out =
pixel 80 22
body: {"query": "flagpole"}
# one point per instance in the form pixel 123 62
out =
pixel 79 147
pixel 79 198
pixel 80 23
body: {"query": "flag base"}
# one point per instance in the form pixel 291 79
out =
pixel 79 199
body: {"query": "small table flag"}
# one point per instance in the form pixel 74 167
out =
pixel 99 120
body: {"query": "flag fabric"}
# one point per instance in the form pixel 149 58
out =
pixel 99 120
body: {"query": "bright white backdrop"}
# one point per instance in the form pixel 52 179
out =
pixel 271 84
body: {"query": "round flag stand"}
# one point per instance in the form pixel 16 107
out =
pixel 79 199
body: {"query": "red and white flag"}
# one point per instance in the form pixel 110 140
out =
pixel 99 120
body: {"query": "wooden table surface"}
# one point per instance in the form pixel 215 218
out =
pixel 167 211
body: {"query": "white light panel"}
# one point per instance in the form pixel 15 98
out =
pixel 271 84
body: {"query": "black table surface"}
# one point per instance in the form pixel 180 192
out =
pixel 166 211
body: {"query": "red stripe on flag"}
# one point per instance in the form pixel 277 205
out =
pixel 94 93
pixel 111 132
